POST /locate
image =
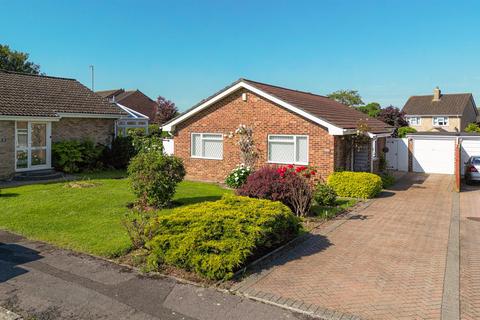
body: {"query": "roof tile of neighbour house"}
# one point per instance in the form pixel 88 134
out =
pixel 45 96
pixel 448 104
pixel 133 99
pixel 329 110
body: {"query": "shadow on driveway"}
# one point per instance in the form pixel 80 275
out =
pixel 11 257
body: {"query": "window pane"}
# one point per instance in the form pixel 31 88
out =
pixel 213 149
pixel 212 136
pixel 302 149
pixel 281 152
pixel 280 138
pixel 22 125
pixel 22 159
pixel 39 135
pixel 22 140
pixel 39 157
pixel 196 145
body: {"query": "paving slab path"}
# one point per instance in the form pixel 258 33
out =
pixel 387 261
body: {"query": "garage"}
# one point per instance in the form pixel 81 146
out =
pixel 432 155
pixel 470 147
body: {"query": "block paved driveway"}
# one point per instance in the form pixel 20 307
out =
pixel 387 261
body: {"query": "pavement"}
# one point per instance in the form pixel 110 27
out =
pixel 40 281
pixel 395 258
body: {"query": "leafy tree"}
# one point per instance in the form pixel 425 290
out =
pixel 393 116
pixel 403 131
pixel 472 127
pixel 16 61
pixel 372 109
pixel 166 110
pixel 347 97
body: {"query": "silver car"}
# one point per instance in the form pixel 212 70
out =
pixel 472 169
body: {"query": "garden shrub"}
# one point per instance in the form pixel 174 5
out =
pixel 237 177
pixel 154 177
pixel 214 239
pixel 325 195
pixel 135 222
pixel 146 143
pixel 387 179
pixel 120 153
pixel 403 131
pixel 286 184
pixel 73 156
pixel 355 184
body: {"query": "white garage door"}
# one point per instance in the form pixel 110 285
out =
pixel 470 147
pixel 434 156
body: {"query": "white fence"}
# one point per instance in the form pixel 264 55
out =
pixel 397 155
pixel 168 146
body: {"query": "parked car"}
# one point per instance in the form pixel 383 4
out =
pixel 472 168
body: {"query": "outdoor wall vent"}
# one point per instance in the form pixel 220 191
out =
pixel 244 96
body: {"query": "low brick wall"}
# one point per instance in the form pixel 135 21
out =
pixel 7 149
pixel 98 130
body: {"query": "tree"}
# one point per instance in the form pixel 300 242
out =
pixel 166 110
pixel 347 97
pixel 16 61
pixel 372 109
pixel 393 116
pixel 472 127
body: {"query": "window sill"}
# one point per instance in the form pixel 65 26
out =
pixel 294 163
pixel 204 158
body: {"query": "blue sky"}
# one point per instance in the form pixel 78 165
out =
pixel 187 50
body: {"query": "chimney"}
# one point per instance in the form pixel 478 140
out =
pixel 437 93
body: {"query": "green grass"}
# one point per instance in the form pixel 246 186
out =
pixel 84 219
pixel 329 212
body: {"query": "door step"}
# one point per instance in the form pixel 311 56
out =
pixel 38 175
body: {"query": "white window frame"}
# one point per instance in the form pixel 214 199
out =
pixel 445 121
pixel 418 121
pixel 201 144
pixel 295 136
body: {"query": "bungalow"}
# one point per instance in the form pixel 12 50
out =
pixel 37 110
pixel 289 127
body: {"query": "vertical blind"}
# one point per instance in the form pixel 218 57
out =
pixel 207 145
pixel 288 149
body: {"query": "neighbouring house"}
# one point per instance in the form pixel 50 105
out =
pixel 133 99
pixel 36 111
pixel 441 112
pixel 289 127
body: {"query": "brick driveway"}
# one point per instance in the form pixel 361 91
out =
pixel 388 262
pixel 470 253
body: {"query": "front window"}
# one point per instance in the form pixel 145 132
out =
pixel 288 149
pixel 440 121
pixel 414 121
pixel 207 146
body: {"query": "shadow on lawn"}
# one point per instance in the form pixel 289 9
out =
pixel 193 200
pixel 11 256
pixel 8 195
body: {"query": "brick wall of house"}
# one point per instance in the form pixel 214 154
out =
pixel 97 130
pixel 7 149
pixel 265 118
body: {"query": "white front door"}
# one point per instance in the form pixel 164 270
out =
pixel 33 145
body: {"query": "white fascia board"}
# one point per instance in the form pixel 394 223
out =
pixel 89 115
pixel 133 113
pixel 29 118
pixel 379 135
pixel 431 137
pixel 332 129
pixel 431 115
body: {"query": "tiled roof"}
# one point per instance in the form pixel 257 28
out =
pixel 322 107
pixel 133 99
pixel 449 104
pixel 44 96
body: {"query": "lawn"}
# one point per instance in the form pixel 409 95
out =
pixel 84 219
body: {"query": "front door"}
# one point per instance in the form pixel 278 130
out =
pixel 32 145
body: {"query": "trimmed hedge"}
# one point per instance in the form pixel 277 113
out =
pixel 355 184
pixel 214 239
